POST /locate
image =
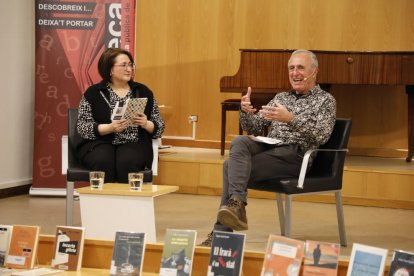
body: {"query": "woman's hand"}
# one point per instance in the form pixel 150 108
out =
pixel 115 126
pixel 142 121
pixel 119 125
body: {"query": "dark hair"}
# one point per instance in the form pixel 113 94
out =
pixel 107 60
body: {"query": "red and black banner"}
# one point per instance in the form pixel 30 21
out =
pixel 70 37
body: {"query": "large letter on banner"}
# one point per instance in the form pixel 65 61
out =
pixel 70 37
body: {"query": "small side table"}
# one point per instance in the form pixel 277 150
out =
pixel 116 208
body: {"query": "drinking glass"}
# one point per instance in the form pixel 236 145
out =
pixel 96 179
pixel 135 180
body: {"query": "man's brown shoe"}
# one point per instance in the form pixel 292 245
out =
pixel 233 214
pixel 207 242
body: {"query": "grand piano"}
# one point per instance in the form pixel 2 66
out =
pixel 266 71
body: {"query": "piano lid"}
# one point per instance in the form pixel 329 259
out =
pixel 265 70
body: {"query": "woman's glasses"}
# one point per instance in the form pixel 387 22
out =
pixel 126 65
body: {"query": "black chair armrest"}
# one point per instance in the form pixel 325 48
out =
pixel 305 162
pixel 147 175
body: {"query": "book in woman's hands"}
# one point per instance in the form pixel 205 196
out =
pixel 129 110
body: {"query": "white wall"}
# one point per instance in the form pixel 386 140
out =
pixel 17 52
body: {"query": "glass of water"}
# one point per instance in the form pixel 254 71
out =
pixel 135 181
pixel 96 179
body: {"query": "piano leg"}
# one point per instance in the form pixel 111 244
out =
pixel 409 89
pixel 227 105
pixel 223 129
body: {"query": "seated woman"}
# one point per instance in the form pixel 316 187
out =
pixel 114 146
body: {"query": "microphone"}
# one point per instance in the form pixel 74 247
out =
pixel 310 76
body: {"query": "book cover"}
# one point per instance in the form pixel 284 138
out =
pixel 321 258
pixel 129 110
pixel 5 236
pixel 69 243
pixel 366 260
pixel 178 252
pixel 128 253
pixel 134 106
pixel 226 255
pixel 283 256
pixel 118 111
pixel 402 263
pixel 23 246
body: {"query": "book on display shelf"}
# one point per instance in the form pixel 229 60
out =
pixel 402 263
pixel 321 258
pixel 69 242
pixel 178 252
pixel 366 260
pixel 23 246
pixel 226 255
pixel 5 236
pixel 283 256
pixel 128 253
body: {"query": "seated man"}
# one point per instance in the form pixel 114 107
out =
pixel 302 119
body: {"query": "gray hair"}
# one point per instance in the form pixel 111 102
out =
pixel 315 63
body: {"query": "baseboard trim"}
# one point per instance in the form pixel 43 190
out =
pixel 47 192
pixel 15 191
pixel 51 192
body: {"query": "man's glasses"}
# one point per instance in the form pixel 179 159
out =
pixel 126 65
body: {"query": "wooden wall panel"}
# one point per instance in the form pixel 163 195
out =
pixel 209 179
pixel 379 118
pixel 185 47
pixel 182 174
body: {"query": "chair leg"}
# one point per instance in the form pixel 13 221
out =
pixel 69 203
pixel 340 214
pixel 288 215
pixel 281 213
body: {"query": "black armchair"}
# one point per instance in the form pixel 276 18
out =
pixel 75 171
pixel 324 176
